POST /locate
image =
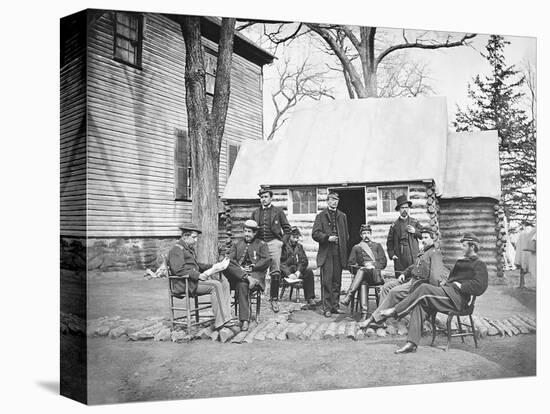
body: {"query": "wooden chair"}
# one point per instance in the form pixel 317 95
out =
pixel 187 308
pixel 298 285
pixel 254 298
pixel 468 311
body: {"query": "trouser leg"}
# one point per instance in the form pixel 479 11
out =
pixel 389 285
pixel 275 247
pixel 336 282
pixel 395 295
pixel 308 283
pixel 415 324
pixel 219 296
pixel 243 293
pixel 327 284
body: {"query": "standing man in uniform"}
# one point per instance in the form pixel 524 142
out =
pixel 274 230
pixel 402 243
pixel 468 278
pixel 248 263
pixel 330 230
pixel 366 256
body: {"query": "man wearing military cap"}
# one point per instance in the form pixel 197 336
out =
pixel 427 268
pixel 467 279
pixel 403 236
pixel 273 229
pixel 330 230
pixel 294 265
pixel 248 263
pixel 203 278
pixel 366 257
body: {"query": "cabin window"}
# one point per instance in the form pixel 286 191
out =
pixel 182 166
pixel 210 64
pixel 387 197
pixel 233 150
pixel 128 38
pixel 304 200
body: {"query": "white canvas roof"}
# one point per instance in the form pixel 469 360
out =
pixel 352 141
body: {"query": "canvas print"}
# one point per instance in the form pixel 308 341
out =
pixel 252 206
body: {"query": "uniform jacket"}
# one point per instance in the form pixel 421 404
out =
pixel 279 222
pixel 293 259
pixel 182 260
pixel 322 230
pixel 258 254
pixel 471 272
pixel 428 268
pixel 358 257
pixel 404 245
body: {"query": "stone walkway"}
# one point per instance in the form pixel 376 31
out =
pixel 290 324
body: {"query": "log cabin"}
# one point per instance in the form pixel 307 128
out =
pixel 125 163
pixel 370 151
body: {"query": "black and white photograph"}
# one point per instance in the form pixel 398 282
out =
pixel 259 204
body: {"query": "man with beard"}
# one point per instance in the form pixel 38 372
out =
pixel 402 242
pixel 203 278
pixel 294 266
pixel 248 263
pixel 273 229
pixel 330 230
pixel 468 278
pixel 428 268
pixel 365 257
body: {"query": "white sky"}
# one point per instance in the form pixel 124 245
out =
pixel 449 70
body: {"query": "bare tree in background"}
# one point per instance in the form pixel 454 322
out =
pixel 295 85
pixel 206 127
pixel 361 53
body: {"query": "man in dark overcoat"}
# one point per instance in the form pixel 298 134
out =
pixel 248 263
pixel 366 256
pixel 330 230
pixel 274 230
pixel 428 268
pixel 467 279
pixel 294 265
pixel 402 242
pixel 203 278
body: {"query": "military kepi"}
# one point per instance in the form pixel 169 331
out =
pixel 469 237
pixel 295 231
pixel 251 224
pixel 190 227
pixel 365 227
pixel 334 195
pixel 263 190
pixel 429 230
pixel 402 199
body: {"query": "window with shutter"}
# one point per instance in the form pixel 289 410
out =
pixel 387 197
pixel 128 38
pixel 182 166
pixel 210 64
pixel 232 156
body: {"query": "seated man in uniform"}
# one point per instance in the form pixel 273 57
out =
pixel 294 266
pixel 203 279
pixel 249 261
pixel 366 256
pixel 467 278
pixel 427 268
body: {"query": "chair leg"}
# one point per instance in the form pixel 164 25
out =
pixel 290 294
pixel 377 293
pixel 432 320
pixel 196 309
pixel 473 330
pixel 171 306
pixel 282 292
pixel 188 311
pixel 258 303
pixel 449 319
pixel 460 329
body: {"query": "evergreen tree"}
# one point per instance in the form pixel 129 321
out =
pixel 497 105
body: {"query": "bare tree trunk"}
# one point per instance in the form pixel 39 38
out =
pixel 206 131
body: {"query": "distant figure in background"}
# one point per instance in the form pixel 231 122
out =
pixel 273 229
pixel 249 260
pixel 365 257
pixel 402 242
pixel 330 230
pixel 526 254
pixel 294 266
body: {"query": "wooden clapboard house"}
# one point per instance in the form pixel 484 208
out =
pixel 125 182
pixel 370 151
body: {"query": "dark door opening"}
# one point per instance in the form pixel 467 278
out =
pixel 352 202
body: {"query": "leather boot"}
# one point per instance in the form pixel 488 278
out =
pixel 355 283
pixel 364 299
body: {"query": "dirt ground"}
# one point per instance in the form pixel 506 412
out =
pixel 119 370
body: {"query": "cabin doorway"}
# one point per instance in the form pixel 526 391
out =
pixel 352 202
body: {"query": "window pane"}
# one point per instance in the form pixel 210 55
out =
pixel 388 196
pixel 304 201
